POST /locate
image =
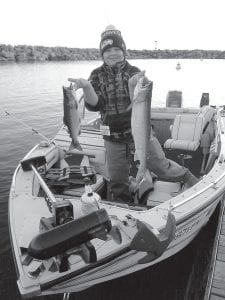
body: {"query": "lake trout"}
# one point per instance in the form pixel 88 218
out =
pixel 141 124
pixel 71 115
pixel 148 149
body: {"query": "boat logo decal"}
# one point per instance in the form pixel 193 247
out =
pixel 186 229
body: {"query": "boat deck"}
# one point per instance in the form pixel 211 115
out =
pixel 215 289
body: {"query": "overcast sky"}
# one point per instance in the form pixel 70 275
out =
pixel 174 24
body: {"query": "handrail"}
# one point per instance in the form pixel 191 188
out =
pixel 199 192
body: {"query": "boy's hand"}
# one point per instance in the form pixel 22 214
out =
pixel 79 83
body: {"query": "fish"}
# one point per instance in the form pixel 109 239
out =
pixel 141 125
pixel 71 116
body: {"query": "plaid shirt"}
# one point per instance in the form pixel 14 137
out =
pixel 111 87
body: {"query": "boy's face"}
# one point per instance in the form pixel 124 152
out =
pixel 112 56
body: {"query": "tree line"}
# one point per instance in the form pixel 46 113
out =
pixel 40 53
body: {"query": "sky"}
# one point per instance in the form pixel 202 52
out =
pixel 145 24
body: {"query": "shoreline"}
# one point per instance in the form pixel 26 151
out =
pixel 24 53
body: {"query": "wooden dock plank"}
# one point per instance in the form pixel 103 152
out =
pixel 215 289
pixel 217 292
pixel 219 270
pixel 219 284
pixel 222 240
pixel 221 251
pixel 221 248
pixel 221 256
pixel 215 297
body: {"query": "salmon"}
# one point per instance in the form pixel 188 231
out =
pixel 71 115
pixel 141 124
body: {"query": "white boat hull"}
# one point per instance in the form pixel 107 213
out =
pixel 191 209
pixel 128 263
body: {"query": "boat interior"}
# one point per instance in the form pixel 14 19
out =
pixel 186 135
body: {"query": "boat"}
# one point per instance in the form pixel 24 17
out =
pixel 178 66
pixel 67 234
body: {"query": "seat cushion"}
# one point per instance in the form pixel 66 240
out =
pixel 186 132
pixel 181 144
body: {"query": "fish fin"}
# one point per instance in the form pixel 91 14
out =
pixel 143 174
pixel 130 106
pixel 148 176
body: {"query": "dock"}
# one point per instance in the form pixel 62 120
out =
pixel 215 289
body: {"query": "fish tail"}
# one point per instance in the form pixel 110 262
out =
pixel 75 146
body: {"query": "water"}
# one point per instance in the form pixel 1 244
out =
pixel 33 93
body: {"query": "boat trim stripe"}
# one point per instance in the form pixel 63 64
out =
pixel 103 261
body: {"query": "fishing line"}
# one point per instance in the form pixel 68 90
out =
pixel 35 131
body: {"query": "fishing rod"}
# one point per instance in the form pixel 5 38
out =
pixel 75 151
pixel 35 131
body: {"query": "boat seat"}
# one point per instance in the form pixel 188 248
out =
pixel 185 132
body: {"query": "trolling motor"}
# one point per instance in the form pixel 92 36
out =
pixel 62 210
pixel 58 240
pixel 73 236
pixel 61 235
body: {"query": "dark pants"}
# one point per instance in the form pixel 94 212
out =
pixel 119 157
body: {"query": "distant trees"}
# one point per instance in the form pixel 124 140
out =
pixel 40 53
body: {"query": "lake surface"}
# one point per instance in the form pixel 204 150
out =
pixel 32 93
